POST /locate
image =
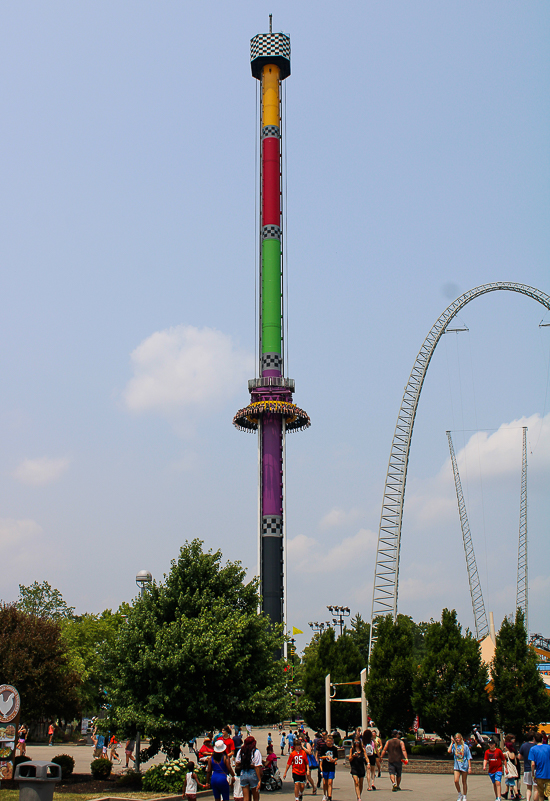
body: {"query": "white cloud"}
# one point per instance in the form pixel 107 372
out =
pixel 14 533
pixel 186 367
pixel 40 471
pixel 337 518
pixel 309 555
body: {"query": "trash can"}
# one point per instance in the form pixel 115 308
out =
pixel 347 745
pixel 37 780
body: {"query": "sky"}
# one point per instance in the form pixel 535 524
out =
pixel 417 168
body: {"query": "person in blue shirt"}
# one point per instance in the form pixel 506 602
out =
pixel 540 766
pixel 462 764
pixel 524 752
pixel 290 741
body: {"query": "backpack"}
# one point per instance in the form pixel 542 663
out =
pixel 369 749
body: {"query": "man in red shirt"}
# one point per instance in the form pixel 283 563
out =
pixel 298 759
pixel 495 761
pixel 228 740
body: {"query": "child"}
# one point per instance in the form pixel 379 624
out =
pixel 237 789
pixel 191 783
pixel 494 760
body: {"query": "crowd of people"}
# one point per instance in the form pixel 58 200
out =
pixel 230 761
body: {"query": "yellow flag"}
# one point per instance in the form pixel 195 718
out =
pixel 296 631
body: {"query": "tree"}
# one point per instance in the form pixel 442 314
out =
pixel 42 600
pixel 520 697
pixel 449 687
pixel 33 658
pixel 360 634
pixel 389 683
pixel 84 637
pixel 342 659
pixel 194 653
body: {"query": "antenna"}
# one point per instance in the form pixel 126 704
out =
pixel 271 23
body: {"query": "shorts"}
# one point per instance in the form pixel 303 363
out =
pixel 528 778
pixel 328 774
pixel 496 776
pixel 395 768
pixel 191 796
pixel 372 759
pixel 249 778
pixel 299 778
pixel 543 787
pixel 511 782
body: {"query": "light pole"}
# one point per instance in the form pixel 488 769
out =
pixel 339 612
pixel 143 579
pixel 319 628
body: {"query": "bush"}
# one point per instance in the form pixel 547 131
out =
pixel 66 763
pixel 101 768
pixel 130 778
pixel 168 777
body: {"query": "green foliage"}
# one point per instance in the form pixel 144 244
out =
pixel 42 600
pixel 168 777
pixel 194 651
pixel 130 778
pixel 520 699
pixel 389 683
pixel 84 637
pixel 449 687
pixel 343 660
pixel 101 768
pixel 34 659
pixel 66 763
pixel 360 634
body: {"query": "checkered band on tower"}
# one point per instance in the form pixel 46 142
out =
pixel 272 526
pixel 271 130
pixel 270 48
pixel 271 232
pixel 272 361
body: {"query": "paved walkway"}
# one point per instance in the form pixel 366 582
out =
pixel 415 786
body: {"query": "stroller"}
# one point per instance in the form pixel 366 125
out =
pixel 271 780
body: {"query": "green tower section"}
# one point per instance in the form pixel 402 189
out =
pixel 271 296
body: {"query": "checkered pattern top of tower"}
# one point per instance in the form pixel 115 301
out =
pixel 270 48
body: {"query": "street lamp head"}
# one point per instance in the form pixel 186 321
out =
pixel 143 577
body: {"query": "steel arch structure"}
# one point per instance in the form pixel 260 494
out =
pixel 386 573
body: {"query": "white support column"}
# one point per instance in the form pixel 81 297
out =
pixel 327 703
pixel 364 710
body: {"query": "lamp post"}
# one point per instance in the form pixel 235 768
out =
pixel 319 628
pixel 339 612
pixel 143 579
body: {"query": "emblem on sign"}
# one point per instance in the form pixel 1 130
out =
pixel 9 703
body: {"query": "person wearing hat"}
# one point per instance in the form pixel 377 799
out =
pixel 218 768
pixel 206 751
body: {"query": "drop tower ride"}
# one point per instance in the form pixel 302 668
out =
pixel 271 410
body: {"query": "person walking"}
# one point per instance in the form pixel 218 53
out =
pixel 540 766
pixel 22 735
pixel 283 742
pixel 328 757
pixel 524 751
pixel 462 764
pixel 313 766
pixel 217 769
pixel 290 738
pixel 191 783
pixel 370 751
pixel 395 749
pixel 51 732
pixel 495 761
pixel 378 745
pixel 317 740
pixel 512 763
pixel 249 760
pixel 129 751
pixel 357 763
pixel 298 760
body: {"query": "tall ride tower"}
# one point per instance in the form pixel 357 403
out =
pixel 271 411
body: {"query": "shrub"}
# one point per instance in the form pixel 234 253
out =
pixel 130 778
pixel 66 763
pixel 168 777
pixel 101 768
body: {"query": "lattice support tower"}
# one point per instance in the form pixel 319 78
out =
pixel 478 604
pixel 522 592
pixel 386 571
